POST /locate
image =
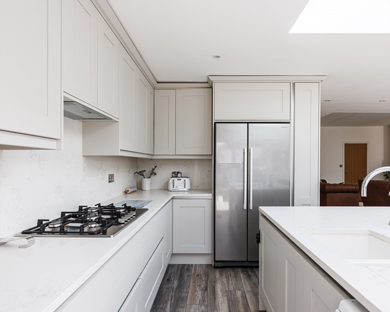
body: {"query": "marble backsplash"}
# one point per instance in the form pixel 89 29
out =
pixel 41 184
pixel 198 170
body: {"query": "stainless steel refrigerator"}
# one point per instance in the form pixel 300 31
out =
pixel 252 169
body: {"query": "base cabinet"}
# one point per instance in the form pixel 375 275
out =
pixel 289 281
pixel 192 226
pixel 132 276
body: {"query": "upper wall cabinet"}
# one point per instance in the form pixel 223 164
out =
pixel 251 101
pixel 91 55
pixel 183 122
pixel 108 54
pixel 133 134
pixel 30 75
pixel 80 31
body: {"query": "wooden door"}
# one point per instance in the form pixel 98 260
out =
pixel 355 162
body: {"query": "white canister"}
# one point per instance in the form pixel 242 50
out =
pixel 146 184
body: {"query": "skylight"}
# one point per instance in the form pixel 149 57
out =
pixel 344 16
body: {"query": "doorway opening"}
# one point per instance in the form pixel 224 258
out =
pixel 355 162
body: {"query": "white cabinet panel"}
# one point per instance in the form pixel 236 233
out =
pixel 193 122
pixel 192 226
pixel 127 108
pixel 144 122
pixel 30 62
pixel 133 302
pixel 164 122
pixel 108 55
pixel 306 155
pixel 289 281
pixel 80 30
pixel 252 101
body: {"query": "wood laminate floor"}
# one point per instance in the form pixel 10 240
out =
pixel 203 288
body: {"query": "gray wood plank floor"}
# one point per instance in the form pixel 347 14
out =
pixel 203 288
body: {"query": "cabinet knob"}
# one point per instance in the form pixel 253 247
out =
pixel 346 172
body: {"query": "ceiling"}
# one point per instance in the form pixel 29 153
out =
pixel 355 119
pixel 177 40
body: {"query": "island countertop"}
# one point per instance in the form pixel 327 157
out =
pixel 370 284
pixel 43 276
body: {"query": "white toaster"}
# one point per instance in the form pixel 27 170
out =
pixel 179 184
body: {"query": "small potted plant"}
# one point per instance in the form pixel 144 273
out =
pixel 146 182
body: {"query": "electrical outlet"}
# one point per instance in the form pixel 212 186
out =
pixel 110 178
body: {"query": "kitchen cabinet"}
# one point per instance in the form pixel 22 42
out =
pixel 133 134
pixel 108 54
pixel 289 281
pixel 132 276
pixel 192 226
pixel 252 101
pixel 30 83
pixel 183 122
pixel 144 120
pixel 307 140
pixel 80 50
pixel 164 122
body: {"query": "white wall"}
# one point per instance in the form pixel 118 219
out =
pixel 199 171
pixel 332 142
pixel 40 184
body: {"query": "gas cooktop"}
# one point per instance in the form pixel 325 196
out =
pixel 97 221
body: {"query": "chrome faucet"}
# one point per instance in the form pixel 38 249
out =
pixel 369 177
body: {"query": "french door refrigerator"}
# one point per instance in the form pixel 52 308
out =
pixel 252 169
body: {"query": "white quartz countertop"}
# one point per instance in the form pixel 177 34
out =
pixel 370 285
pixel 42 277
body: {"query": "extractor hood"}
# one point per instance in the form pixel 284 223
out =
pixel 77 111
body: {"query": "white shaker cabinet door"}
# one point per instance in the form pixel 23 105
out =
pixel 127 105
pixel 30 62
pixel 80 31
pixel 164 122
pixel 252 101
pixel 108 55
pixel 307 144
pixel 193 122
pixel 192 226
pixel 144 108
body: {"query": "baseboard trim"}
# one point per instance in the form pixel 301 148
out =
pixel 190 259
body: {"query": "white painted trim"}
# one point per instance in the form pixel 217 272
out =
pixel 180 157
pixel 16 141
pixel 181 85
pixel 302 78
pixel 112 20
pixel 343 154
pixel 190 259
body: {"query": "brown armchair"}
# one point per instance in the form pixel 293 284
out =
pixel 339 194
pixel 377 193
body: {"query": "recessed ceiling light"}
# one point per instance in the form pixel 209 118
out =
pixel 327 100
pixel 217 56
pixel 383 100
pixel 344 17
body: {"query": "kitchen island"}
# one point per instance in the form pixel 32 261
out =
pixel 350 245
pixel 44 276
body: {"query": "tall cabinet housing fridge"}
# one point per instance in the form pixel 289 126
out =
pixel 252 169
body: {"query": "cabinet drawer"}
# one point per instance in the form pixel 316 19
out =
pixel 152 276
pixel 133 301
pixel 252 101
pixel 152 234
pixel 118 276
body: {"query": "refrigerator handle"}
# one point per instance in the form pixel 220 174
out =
pixel 250 178
pixel 245 177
